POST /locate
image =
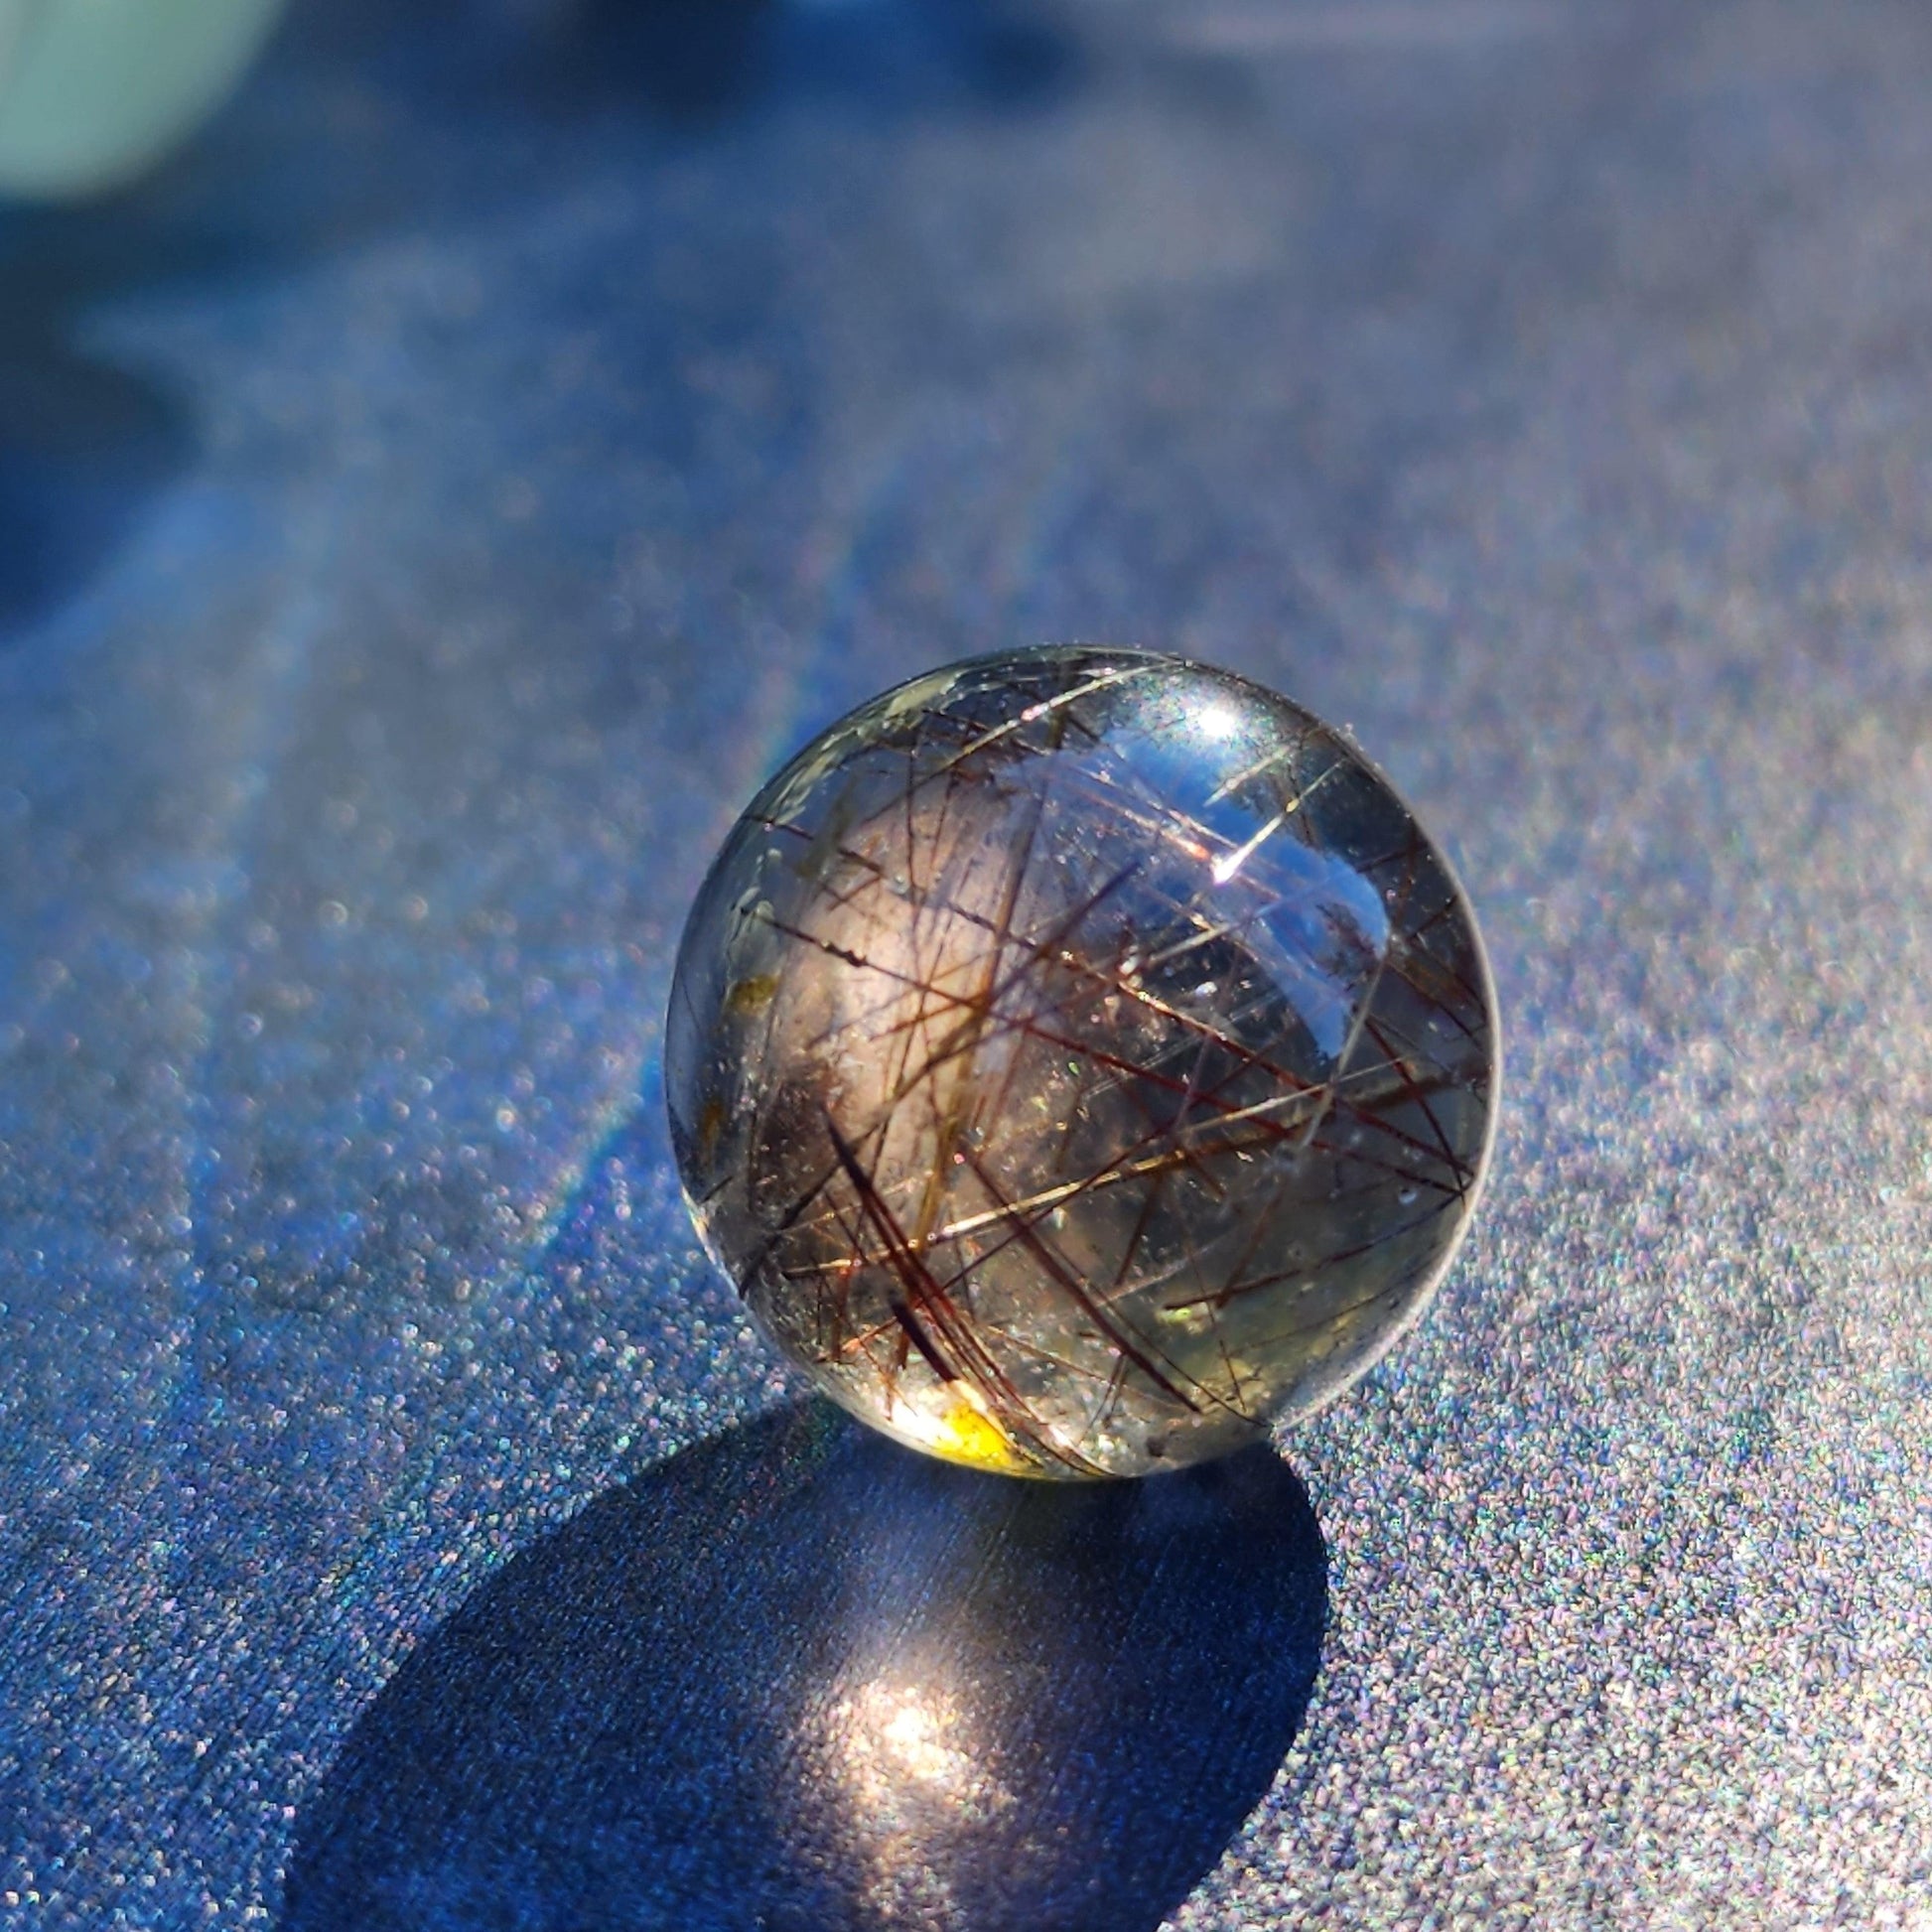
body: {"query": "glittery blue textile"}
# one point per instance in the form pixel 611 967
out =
pixel 427 511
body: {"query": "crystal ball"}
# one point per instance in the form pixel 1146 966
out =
pixel 1082 1060
pixel 92 93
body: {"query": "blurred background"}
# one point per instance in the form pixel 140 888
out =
pixel 451 453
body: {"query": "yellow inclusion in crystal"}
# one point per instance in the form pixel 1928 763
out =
pixel 966 1436
pixel 752 995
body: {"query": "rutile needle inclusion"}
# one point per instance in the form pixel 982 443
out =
pixel 1082 1060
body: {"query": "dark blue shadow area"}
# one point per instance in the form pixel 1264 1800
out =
pixel 85 448
pixel 692 59
pixel 797 1679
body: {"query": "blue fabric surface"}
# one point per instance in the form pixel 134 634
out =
pixel 431 505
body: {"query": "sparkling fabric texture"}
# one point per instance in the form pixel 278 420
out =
pixel 431 508
pixel 1080 1058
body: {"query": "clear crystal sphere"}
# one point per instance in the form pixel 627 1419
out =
pixel 1081 1060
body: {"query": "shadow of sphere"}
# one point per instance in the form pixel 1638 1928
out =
pixel 85 451
pixel 799 1680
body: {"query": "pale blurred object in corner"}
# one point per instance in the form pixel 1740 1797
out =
pixel 93 93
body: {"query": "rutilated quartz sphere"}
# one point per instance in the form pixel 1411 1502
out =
pixel 1081 1060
